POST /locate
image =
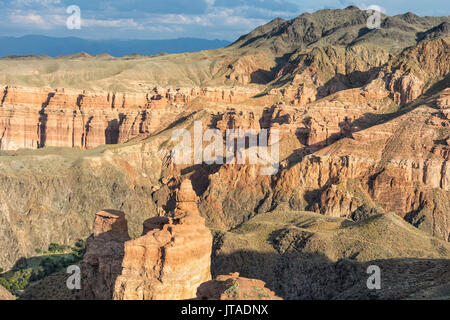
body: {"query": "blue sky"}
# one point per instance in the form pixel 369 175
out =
pixel 166 19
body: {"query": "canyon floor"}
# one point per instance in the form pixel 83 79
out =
pixel 363 117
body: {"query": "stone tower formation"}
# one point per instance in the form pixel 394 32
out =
pixel 168 262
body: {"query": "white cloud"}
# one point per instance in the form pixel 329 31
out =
pixel 117 23
pixel 29 19
pixel 27 3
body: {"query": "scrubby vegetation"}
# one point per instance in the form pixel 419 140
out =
pixel 57 258
pixel 233 291
pixel 18 281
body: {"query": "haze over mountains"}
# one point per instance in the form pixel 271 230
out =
pixel 53 47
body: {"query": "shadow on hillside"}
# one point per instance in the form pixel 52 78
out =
pixel 348 128
pixel 312 276
pixel 112 131
pixel 438 86
pixel 42 124
pixel 263 77
pixel 199 175
pixel 352 80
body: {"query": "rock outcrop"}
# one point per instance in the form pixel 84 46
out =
pixel 168 262
pixel 104 252
pixel 171 259
pixel 234 287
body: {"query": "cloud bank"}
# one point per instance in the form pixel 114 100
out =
pixel 164 19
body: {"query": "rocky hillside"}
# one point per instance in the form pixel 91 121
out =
pixel 364 140
pixel 346 27
pixel 301 255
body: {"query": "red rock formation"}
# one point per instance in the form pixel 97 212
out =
pixel 171 259
pixel 38 117
pixel 168 262
pixel 104 252
pixel 234 287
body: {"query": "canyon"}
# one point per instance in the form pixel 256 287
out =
pixel 364 172
pixel 171 261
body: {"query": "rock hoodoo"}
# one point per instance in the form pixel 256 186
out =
pixel 171 259
pixel 168 262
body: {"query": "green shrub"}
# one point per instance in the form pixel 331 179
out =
pixel 54 247
pixel 5 283
pixel 18 281
pixel 79 249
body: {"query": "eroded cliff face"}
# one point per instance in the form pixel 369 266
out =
pixel 51 196
pixel 41 117
pixel 353 165
pixel 104 252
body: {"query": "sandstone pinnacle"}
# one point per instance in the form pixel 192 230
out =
pixel 186 199
pixel 169 261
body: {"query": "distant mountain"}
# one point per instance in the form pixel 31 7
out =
pixel 51 46
pixel 347 27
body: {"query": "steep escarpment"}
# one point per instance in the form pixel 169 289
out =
pixel 37 118
pixel 397 164
pixel 50 195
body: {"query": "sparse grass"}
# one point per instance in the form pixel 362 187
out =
pixel 378 237
pixel 233 291
pixel 259 292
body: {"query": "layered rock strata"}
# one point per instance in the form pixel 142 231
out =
pixel 169 261
pixel 41 117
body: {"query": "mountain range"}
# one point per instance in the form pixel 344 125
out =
pixel 53 47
